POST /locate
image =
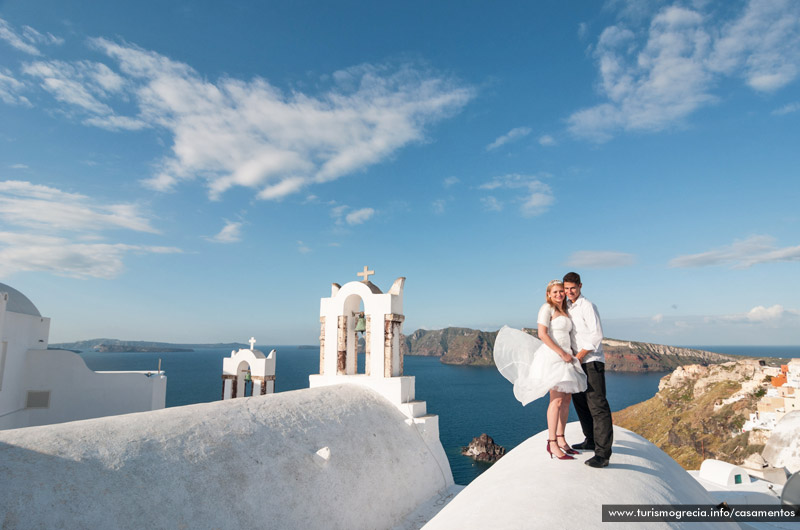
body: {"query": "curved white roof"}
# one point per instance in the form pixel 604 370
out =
pixel 332 457
pixel 527 489
pixel 18 302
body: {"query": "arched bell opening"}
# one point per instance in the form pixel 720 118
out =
pixel 356 325
pixel 244 380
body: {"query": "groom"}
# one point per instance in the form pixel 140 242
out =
pixel 592 407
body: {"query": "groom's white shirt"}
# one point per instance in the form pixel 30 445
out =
pixel 587 331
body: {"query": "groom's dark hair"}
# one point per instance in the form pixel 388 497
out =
pixel 572 277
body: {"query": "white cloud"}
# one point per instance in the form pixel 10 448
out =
pixel 536 198
pixel 439 206
pixel 116 123
pixel 302 248
pixel 60 232
pixel 655 76
pixel 11 88
pixel 34 36
pixel 770 316
pixel 344 214
pixel 787 109
pixel 600 259
pixel 547 140
pixel 762 45
pixel 62 257
pixel 235 132
pixel 450 182
pixel 20 42
pixel 491 204
pixel 230 233
pixel 18 166
pixel 511 135
pixel 45 208
pixel 740 254
pixel 83 84
pixel 658 319
pixel 359 216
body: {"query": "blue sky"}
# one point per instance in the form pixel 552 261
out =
pixel 200 172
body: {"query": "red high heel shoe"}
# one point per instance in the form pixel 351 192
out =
pixel 565 457
pixel 568 450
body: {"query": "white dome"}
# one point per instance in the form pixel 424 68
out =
pixel 18 302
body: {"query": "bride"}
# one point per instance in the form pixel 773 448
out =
pixel 538 366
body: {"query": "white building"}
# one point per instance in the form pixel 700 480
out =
pixel 40 386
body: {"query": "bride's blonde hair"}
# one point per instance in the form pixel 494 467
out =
pixel 547 299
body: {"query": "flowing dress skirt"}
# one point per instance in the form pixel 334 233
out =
pixel 534 368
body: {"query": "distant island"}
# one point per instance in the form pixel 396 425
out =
pixel 116 346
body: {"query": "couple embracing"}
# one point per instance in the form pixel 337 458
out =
pixel 568 362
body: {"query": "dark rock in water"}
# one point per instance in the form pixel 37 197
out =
pixel 484 449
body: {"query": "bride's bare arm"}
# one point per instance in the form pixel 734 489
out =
pixel 545 337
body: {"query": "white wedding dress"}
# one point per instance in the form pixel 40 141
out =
pixel 533 367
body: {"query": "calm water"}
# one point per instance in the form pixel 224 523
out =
pixel 468 400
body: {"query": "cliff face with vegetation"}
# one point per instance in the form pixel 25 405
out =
pixel 473 347
pixel 681 418
pixel 453 345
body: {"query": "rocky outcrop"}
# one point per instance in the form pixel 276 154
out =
pixel 453 345
pixel 473 347
pixel 484 449
pixel 685 418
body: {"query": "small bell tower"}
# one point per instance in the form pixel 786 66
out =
pixel 382 322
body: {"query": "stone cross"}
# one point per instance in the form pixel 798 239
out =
pixel 252 342
pixel 366 274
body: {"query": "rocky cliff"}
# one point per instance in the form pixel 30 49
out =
pixel 473 347
pixel 453 345
pixel 684 422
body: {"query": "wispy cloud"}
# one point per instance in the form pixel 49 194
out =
pixel 61 232
pixel 513 134
pixel 18 166
pixel 49 209
pixel 344 214
pixel 740 254
pixel 547 140
pixel 235 132
pixel 230 233
pixel 656 75
pixel 11 89
pixel 62 257
pixel 360 216
pixel 787 109
pixel 302 248
pixel 774 315
pixel 600 259
pixel 537 197
pixel 490 203
pixel 450 182
pixel 19 41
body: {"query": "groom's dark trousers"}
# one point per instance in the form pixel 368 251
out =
pixel 593 410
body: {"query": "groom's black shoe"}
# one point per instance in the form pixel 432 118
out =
pixel 597 461
pixel 585 445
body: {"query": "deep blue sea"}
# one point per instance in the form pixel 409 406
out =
pixel 469 400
